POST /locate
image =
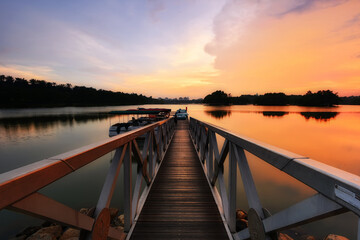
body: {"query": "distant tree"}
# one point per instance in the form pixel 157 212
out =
pixel 272 99
pixel 242 100
pixel 217 98
pixel 39 93
pixel 9 80
pixel 352 100
pixel 321 98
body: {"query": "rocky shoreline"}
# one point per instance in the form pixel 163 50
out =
pixel 53 231
pixel 291 234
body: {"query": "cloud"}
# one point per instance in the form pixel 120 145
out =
pixel 302 6
pixel 255 51
pixel 231 23
pixel 27 72
pixel 352 22
pixel 349 29
pixel 156 7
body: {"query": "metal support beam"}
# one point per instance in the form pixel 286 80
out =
pixel 308 210
pixel 210 157
pixel 136 194
pixel 223 193
pixel 142 163
pixel 151 159
pixel 232 189
pixel 44 207
pixel 248 182
pixel 220 159
pixel 128 218
pixel 110 181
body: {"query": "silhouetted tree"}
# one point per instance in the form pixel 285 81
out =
pixel 352 100
pixel 19 92
pixel 272 99
pixel 217 98
pixel 321 98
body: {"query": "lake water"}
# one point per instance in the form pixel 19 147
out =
pixel 328 135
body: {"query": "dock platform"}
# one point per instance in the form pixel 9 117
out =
pixel 180 204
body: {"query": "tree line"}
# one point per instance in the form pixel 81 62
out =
pixel 19 92
pixel 320 98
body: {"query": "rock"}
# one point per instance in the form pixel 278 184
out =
pixel 87 211
pixel 240 214
pixel 113 213
pixel 335 237
pixel 121 220
pixel 41 236
pixel 70 233
pixel 84 210
pixel 283 236
pixel 47 233
pixel 29 231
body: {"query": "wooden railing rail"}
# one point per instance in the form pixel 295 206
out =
pixel 338 191
pixel 18 188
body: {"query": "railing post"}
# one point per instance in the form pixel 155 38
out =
pixel 110 181
pixel 198 137
pixel 127 189
pixel 232 189
pixel 151 160
pixel 210 156
pixel 248 182
pixel 160 142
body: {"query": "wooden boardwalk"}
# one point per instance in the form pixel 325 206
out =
pixel 180 204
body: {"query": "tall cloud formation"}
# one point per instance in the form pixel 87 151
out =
pixel 153 47
pixel 290 46
pixel 185 48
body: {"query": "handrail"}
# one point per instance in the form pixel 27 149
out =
pixel 18 188
pixel 338 190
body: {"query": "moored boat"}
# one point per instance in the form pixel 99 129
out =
pixel 153 115
pixel 181 114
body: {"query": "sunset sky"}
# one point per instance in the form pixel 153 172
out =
pixel 185 48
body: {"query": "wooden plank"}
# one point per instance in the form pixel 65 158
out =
pixel 180 204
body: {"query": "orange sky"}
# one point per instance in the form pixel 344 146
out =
pixel 315 49
pixel 177 49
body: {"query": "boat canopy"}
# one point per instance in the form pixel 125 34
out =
pixel 142 111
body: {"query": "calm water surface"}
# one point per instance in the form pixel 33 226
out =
pixel 329 135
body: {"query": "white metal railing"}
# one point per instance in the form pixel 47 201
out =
pixel 18 188
pixel 338 191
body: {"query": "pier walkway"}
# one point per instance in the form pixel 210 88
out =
pixel 180 181
pixel 180 204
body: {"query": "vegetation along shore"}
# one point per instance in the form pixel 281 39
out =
pixel 22 93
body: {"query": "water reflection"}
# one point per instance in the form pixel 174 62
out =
pixel 32 138
pixel 319 116
pixel 219 114
pixel 274 114
pixel 49 121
